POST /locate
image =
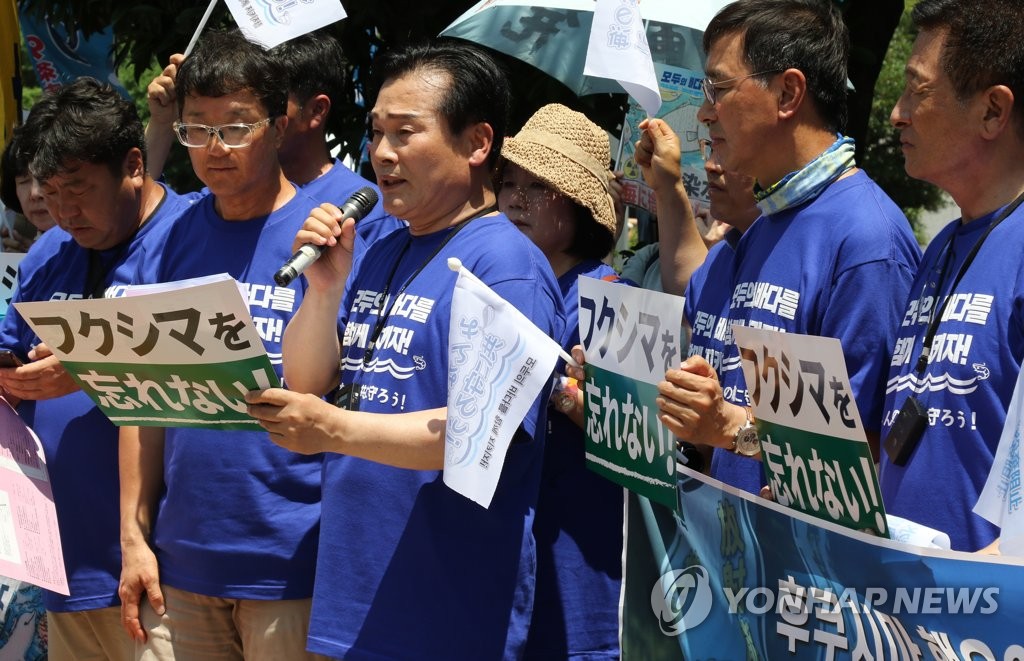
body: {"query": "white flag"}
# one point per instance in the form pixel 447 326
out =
pixel 498 363
pixel 618 50
pixel 272 22
pixel 1002 499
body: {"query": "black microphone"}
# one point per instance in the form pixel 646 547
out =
pixel 355 207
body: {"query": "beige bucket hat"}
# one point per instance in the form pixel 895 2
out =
pixel 570 153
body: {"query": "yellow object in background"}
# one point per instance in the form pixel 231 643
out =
pixel 10 49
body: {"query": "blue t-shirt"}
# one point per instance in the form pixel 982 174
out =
pixel 578 528
pixel 410 569
pixel 967 384
pixel 239 517
pixel 335 186
pixel 79 442
pixel 838 266
pixel 706 307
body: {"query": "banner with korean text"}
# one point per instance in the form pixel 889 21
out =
pixel 814 451
pixel 733 576
pixel 681 99
pixel 631 336
pixel 184 357
pixel 498 364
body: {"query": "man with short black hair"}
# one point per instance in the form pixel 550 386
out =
pixel 89 160
pixel 961 124
pixel 219 528
pixel 831 254
pixel 394 580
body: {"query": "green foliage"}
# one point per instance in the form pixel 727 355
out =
pixel 883 158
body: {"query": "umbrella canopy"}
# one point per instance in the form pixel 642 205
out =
pixel 553 35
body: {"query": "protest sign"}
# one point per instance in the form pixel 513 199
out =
pixel 734 576
pixel 498 363
pixel 681 99
pixel 631 336
pixel 30 548
pixel 8 278
pixel 60 55
pixel 178 358
pixel 813 448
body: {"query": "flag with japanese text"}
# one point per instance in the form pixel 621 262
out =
pixel 273 22
pixel 1002 498
pixel 498 363
pixel 618 50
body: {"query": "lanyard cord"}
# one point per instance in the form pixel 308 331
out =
pixel 386 314
pixel 933 325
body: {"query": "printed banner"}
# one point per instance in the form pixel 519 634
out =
pixel 498 363
pixel 631 336
pixel 733 576
pixel 273 22
pixel 30 548
pixel 60 56
pixel 23 626
pixel 681 99
pixel 815 455
pixel 618 50
pixel 178 358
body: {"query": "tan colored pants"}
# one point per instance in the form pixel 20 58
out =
pixel 88 635
pixel 195 627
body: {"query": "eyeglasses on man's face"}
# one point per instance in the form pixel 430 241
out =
pixel 710 87
pixel 233 136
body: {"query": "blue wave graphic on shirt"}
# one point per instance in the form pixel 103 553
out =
pixel 932 383
pixel 379 366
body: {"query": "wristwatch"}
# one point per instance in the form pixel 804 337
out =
pixel 747 442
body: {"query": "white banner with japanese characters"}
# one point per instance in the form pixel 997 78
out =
pixel 184 357
pixel 815 454
pixel 272 22
pixel 498 363
pixel 631 336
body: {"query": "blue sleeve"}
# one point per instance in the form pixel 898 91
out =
pixel 866 322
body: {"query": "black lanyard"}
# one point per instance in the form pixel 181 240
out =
pixel 933 325
pixel 386 314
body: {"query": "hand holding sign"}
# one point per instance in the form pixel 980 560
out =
pixel 693 407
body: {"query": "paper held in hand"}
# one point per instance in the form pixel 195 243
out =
pixel 180 354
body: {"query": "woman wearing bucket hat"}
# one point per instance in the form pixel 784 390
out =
pixel 554 187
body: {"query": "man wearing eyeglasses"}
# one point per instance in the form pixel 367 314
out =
pixel 220 528
pixel 831 254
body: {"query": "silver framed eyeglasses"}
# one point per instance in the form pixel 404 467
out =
pixel 233 136
pixel 710 87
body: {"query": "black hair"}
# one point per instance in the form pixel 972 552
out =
pixel 225 62
pixel 592 240
pixel 983 45
pixel 86 121
pixel 14 162
pixel 477 90
pixel 313 64
pixel 808 35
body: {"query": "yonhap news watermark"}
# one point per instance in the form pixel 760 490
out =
pixel 865 622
